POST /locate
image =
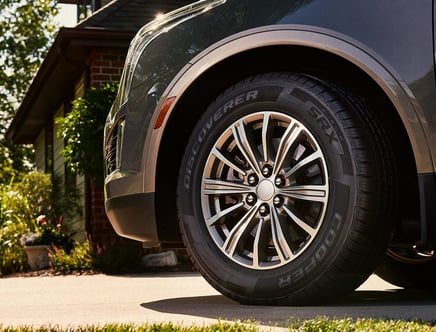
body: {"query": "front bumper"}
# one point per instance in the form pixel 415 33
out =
pixel 131 217
pixel 130 210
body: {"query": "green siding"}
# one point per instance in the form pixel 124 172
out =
pixel 76 225
pixel 58 145
pixel 39 146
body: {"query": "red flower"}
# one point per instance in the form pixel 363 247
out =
pixel 42 219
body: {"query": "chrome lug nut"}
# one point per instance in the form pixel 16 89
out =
pixel 279 181
pixel 277 201
pixel 252 179
pixel 266 171
pixel 264 210
pixel 251 199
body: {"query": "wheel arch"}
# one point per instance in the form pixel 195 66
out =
pixel 344 63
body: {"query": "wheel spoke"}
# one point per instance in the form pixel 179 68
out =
pixel 212 220
pixel 227 161
pixel 244 145
pixel 314 193
pixel 302 163
pixel 220 187
pixel 239 230
pixel 267 146
pixel 307 228
pixel 257 243
pixel 288 138
pixel 279 239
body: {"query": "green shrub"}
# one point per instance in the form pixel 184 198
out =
pixel 117 258
pixel 47 232
pixel 22 206
pixel 31 213
pixel 24 201
pixel 15 160
pixel 82 131
pixel 80 258
pixel 12 256
pixel 85 256
pixel 20 203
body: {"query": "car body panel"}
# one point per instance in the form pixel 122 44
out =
pixel 392 42
pixel 400 94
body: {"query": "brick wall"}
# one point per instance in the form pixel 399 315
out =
pixel 105 65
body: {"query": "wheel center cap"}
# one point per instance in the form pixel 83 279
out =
pixel 265 190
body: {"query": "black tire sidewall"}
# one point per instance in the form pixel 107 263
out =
pixel 306 273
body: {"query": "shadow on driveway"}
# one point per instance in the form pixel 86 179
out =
pixel 389 304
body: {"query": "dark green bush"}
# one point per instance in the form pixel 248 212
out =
pixel 80 258
pixel 82 131
pixel 117 258
pixel 112 260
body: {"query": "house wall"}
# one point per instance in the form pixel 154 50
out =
pixel 43 144
pixel 39 147
pixel 79 87
pixel 78 225
pixel 103 65
pixel 58 145
pixel 74 224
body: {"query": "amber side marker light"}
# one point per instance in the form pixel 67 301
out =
pixel 163 112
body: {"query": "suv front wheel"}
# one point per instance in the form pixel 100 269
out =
pixel 284 191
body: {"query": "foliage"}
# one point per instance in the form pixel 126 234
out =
pixel 20 205
pixel 12 256
pixel 82 131
pixel 32 211
pixel 80 258
pixel 87 257
pixel 15 161
pixel 16 216
pixel 152 327
pixel 370 325
pixel 24 201
pixel 26 31
pixel 65 201
pixel 117 258
pixel 320 324
pixel 46 233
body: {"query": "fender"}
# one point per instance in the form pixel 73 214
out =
pixel 294 35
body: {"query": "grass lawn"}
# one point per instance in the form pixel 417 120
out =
pixel 312 325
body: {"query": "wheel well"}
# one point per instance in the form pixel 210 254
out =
pixel 305 60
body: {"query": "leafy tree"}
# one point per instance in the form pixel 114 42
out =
pixel 82 131
pixel 26 31
pixel 15 161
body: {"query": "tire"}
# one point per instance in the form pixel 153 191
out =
pixel 283 192
pixel 408 266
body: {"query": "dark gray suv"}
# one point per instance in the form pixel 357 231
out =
pixel 289 144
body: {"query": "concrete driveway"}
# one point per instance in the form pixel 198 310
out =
pixel 184 298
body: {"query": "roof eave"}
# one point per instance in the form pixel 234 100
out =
pixel 63 64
